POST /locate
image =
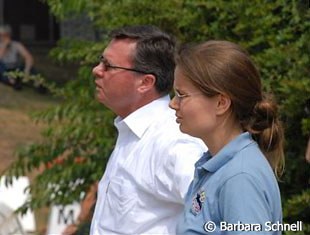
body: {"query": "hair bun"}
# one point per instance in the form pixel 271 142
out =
pixel 267 130
pixel 264 115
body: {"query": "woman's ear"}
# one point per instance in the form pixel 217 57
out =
pixel 147 83
pixel 223 104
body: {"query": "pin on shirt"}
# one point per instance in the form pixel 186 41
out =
pixel 197 201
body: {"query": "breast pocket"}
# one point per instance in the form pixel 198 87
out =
pixel 120 207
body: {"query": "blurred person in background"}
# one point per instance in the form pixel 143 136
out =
pixel 13 56
pixel 82 224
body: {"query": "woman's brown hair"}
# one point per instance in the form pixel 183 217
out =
pixel 222 67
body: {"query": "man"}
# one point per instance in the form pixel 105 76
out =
pixel 151 167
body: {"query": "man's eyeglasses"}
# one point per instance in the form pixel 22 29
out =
pixel 107 65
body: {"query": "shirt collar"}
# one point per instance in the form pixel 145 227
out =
pixel 140 120
pixel 227 152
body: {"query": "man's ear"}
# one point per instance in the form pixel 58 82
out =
pixel 146 83
pixel 223 104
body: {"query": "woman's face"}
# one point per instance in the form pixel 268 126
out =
pixel 195 112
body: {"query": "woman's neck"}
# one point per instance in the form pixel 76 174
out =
pixel 221 136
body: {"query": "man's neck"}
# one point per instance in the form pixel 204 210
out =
pixel 145 100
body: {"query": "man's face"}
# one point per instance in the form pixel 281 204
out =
pixel 117 88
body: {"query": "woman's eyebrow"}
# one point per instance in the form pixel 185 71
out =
pixel 180 90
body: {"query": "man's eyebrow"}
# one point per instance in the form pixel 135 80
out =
pixel 105 59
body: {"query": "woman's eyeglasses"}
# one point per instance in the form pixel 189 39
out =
pixel 180 96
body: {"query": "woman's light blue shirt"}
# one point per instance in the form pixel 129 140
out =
pixel 236 186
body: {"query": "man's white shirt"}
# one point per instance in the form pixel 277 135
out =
pixel 148 174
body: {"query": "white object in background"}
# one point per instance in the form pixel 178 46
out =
pixel 9 222
pixel 61 217
pixel 14 196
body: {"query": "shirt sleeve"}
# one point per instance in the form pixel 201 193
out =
pixel 174 176
pixel 243 200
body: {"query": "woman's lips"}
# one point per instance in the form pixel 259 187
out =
pixel 178 119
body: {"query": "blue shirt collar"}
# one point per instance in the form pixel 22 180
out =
pixel 212 164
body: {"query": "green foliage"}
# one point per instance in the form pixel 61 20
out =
pixel 276 33
pixel 297 208
pixel 63 8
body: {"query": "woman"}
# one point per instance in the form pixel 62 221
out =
pixel 219 99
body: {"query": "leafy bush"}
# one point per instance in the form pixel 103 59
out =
pixel 297 208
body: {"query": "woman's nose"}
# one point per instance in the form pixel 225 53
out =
pixel 174 104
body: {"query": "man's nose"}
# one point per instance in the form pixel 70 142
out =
pixel 97 72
